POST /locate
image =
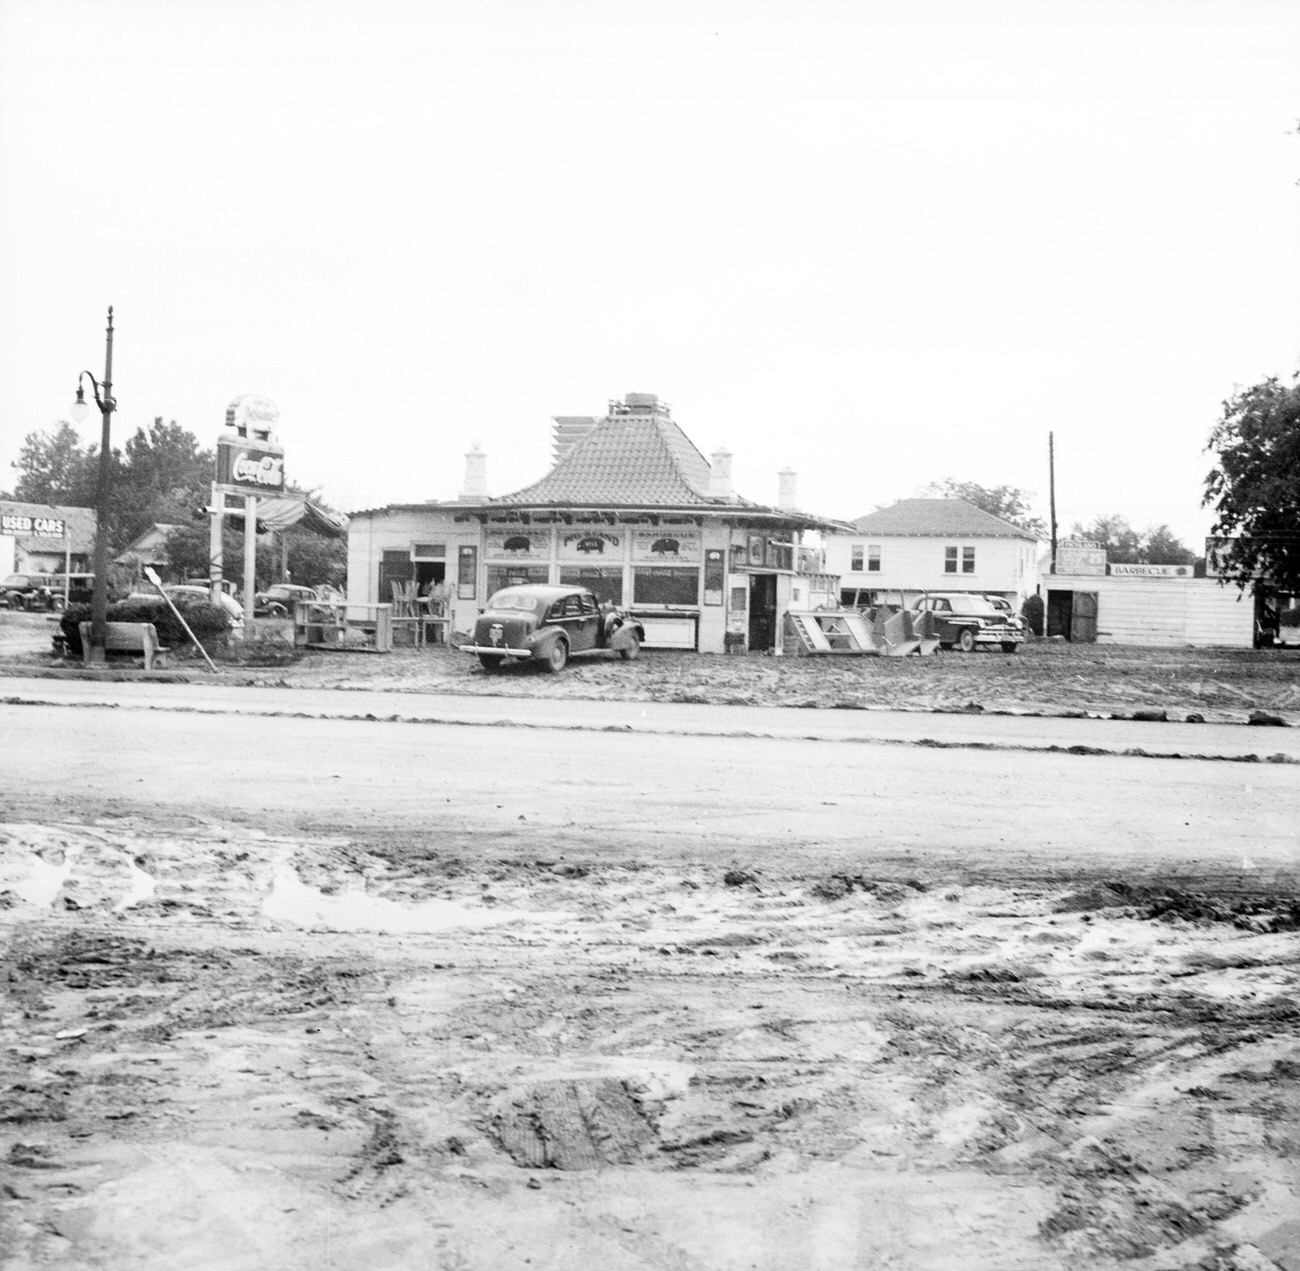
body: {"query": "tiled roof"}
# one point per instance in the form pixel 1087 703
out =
pixel 634 460
pixel 937 518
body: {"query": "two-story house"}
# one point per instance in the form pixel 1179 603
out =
pixel 927 545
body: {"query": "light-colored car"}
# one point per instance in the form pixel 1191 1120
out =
pixel 966 621
pixel 186 593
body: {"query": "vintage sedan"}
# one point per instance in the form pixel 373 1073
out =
pixel 279 599
pixel 535 623
pixel 966 621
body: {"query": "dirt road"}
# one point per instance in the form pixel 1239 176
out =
pixel 292 992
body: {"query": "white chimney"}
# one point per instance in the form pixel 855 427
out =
pixel 475 484
pixel 720 474
pixel 787 478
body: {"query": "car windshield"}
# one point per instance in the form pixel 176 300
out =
pixel 15 580
pixel 975 604
pixel 520 600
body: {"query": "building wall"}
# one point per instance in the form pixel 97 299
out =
pixel 556 551
pixel 31 540
pixel 1165 611
pixel 913 564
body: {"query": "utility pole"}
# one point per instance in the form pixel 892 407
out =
pixel 1051 485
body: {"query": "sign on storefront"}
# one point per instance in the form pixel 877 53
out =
pixel 37 526
pixel 1151 571
pixel 667 545
pixel 1074 556
pixel 517 544
pixel 591 545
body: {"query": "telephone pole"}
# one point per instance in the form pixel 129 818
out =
pixel 1051 485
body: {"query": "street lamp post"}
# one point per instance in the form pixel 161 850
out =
pixel 104 400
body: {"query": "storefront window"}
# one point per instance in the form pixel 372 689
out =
pixel 499 576
pixel 604 584
pixel 665 586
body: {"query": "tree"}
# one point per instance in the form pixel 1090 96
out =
pixel 1123 544
pixel 54 467
pixel 315 558
pixel 1161 546
pixel 1156 545
pixel 188 551
pixel 1005 502
pixel 1255 489
pixel 164 477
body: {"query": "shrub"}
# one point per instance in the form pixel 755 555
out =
pixel 209 622
pixel 1033 612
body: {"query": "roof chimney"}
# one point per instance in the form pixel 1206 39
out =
pixel 720 474
pixel 475 483
pixel 785 499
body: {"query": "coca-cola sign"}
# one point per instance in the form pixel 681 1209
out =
pixel 250 467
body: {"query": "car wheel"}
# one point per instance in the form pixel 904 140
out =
pixel 631 650
pixel 490 663
pixel 276 610
pixel 58 604
pixel 1009 646
pixel 966 640
pixel 557 657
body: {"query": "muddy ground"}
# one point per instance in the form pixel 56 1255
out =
pixel 1045 676
pixel 226 1049
pixel 237 1050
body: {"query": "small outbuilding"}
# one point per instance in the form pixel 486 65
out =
pixel 1089 600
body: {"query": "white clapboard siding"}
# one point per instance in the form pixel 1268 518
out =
pixel 1166 611
pixel 915 564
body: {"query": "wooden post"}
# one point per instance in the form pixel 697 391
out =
pixel 250 560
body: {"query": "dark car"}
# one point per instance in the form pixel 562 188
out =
pixel 33 591
pixel 537 623
pixel 278 600
pixel 965 621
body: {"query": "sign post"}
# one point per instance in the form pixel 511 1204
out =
pixel 250 461
pixel 157 582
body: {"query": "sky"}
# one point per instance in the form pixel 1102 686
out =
pixel 879 243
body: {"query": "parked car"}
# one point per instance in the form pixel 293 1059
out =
pixel 533 622
pixel 32 591
pixel 965 621
pixel 279 599
pixel 186 593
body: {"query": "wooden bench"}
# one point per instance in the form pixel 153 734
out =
pixel 127 637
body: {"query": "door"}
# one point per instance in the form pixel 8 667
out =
pixel 1060 608
pixel 1083 619
pixel 394 567
pixel 762 611
pixel 581 622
